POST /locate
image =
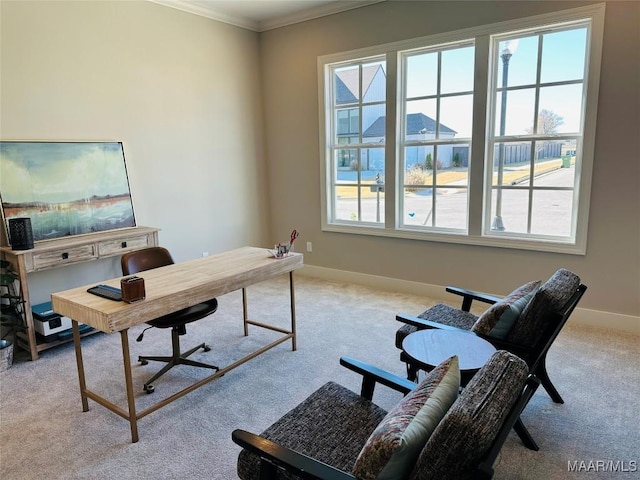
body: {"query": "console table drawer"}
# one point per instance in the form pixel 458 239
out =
pixel 69 250
pixel 63 257
pixel 121 245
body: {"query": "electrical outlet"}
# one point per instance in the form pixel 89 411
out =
pixel 205 254
pixel 309 247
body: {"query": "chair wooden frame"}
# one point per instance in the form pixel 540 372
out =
pixel 275 457
pixel 535 356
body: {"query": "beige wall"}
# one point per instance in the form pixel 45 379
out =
pixel 181 91
pixel 185 95
pixel 611 267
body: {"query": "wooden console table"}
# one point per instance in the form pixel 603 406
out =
pixel 57 253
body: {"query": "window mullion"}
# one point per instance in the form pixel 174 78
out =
pixel 360 140
pixel 391 148
pixel 482 122
pixel 434 183
pixel 359 182
pixel 439 92
pixel 536 106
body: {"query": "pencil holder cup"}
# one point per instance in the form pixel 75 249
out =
pixel 132 289
pixel 282 250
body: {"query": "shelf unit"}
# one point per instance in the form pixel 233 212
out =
pixel 49 254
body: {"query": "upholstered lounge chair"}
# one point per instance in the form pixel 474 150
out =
pixel 338 434
pixel 526 322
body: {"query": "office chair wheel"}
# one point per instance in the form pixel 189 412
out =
pixel 143 361
pixel 206 348
pixel 149 389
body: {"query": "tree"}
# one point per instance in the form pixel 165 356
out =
pixel 428 162
pixel 548 123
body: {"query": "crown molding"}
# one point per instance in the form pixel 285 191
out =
pixel 209 13
pixel 270 24
pixel 315 12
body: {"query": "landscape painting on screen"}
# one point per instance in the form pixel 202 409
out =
pixel 65 188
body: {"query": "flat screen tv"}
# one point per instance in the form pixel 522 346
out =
pixel 65 188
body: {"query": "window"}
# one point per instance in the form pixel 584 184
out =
pixel 537 110
pixel 482 136
pixel 436 112
pixel 357 140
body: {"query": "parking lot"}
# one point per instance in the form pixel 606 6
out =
pixel 551 208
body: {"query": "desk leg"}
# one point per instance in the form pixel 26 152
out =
pixel 133 419
pixel 293 311
pixel 80 364
pixel 245 315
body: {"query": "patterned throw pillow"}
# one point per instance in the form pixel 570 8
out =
pixel 510 316
pixel 491 316
pixel 394 446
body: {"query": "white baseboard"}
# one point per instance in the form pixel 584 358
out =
pixel 580 317
pixel 607 320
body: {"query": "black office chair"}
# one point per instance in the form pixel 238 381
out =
pixel 154 257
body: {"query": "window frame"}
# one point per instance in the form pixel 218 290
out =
pixel 477 196
pixel 495 138
pixel 435 143
pixel 334 144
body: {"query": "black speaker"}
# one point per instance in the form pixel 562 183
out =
pixel 20 233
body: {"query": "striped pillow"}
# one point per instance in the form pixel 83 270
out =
pixel 488 320
pixel 394 446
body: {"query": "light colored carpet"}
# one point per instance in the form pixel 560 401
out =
pixel 45 434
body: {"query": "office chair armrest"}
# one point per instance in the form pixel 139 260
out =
pixel 372 375
pixel 423 323
pixel 274 456
pixel 468 296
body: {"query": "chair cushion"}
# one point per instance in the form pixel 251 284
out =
pixel 393 448
pixel 488 320
pixel 186 315
pixel 550 298
pixel 331 425
pixel 440 313
pixel 472 423
pixel 451 316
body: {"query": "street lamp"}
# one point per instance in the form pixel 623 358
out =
pixel 378 187
pixel 507 51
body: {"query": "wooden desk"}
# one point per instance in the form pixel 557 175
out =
pixel 169 289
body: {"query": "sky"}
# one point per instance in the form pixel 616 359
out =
pixel 563 59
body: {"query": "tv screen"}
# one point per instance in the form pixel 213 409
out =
pixel 65 188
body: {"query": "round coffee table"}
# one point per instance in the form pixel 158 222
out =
pixel 426 349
